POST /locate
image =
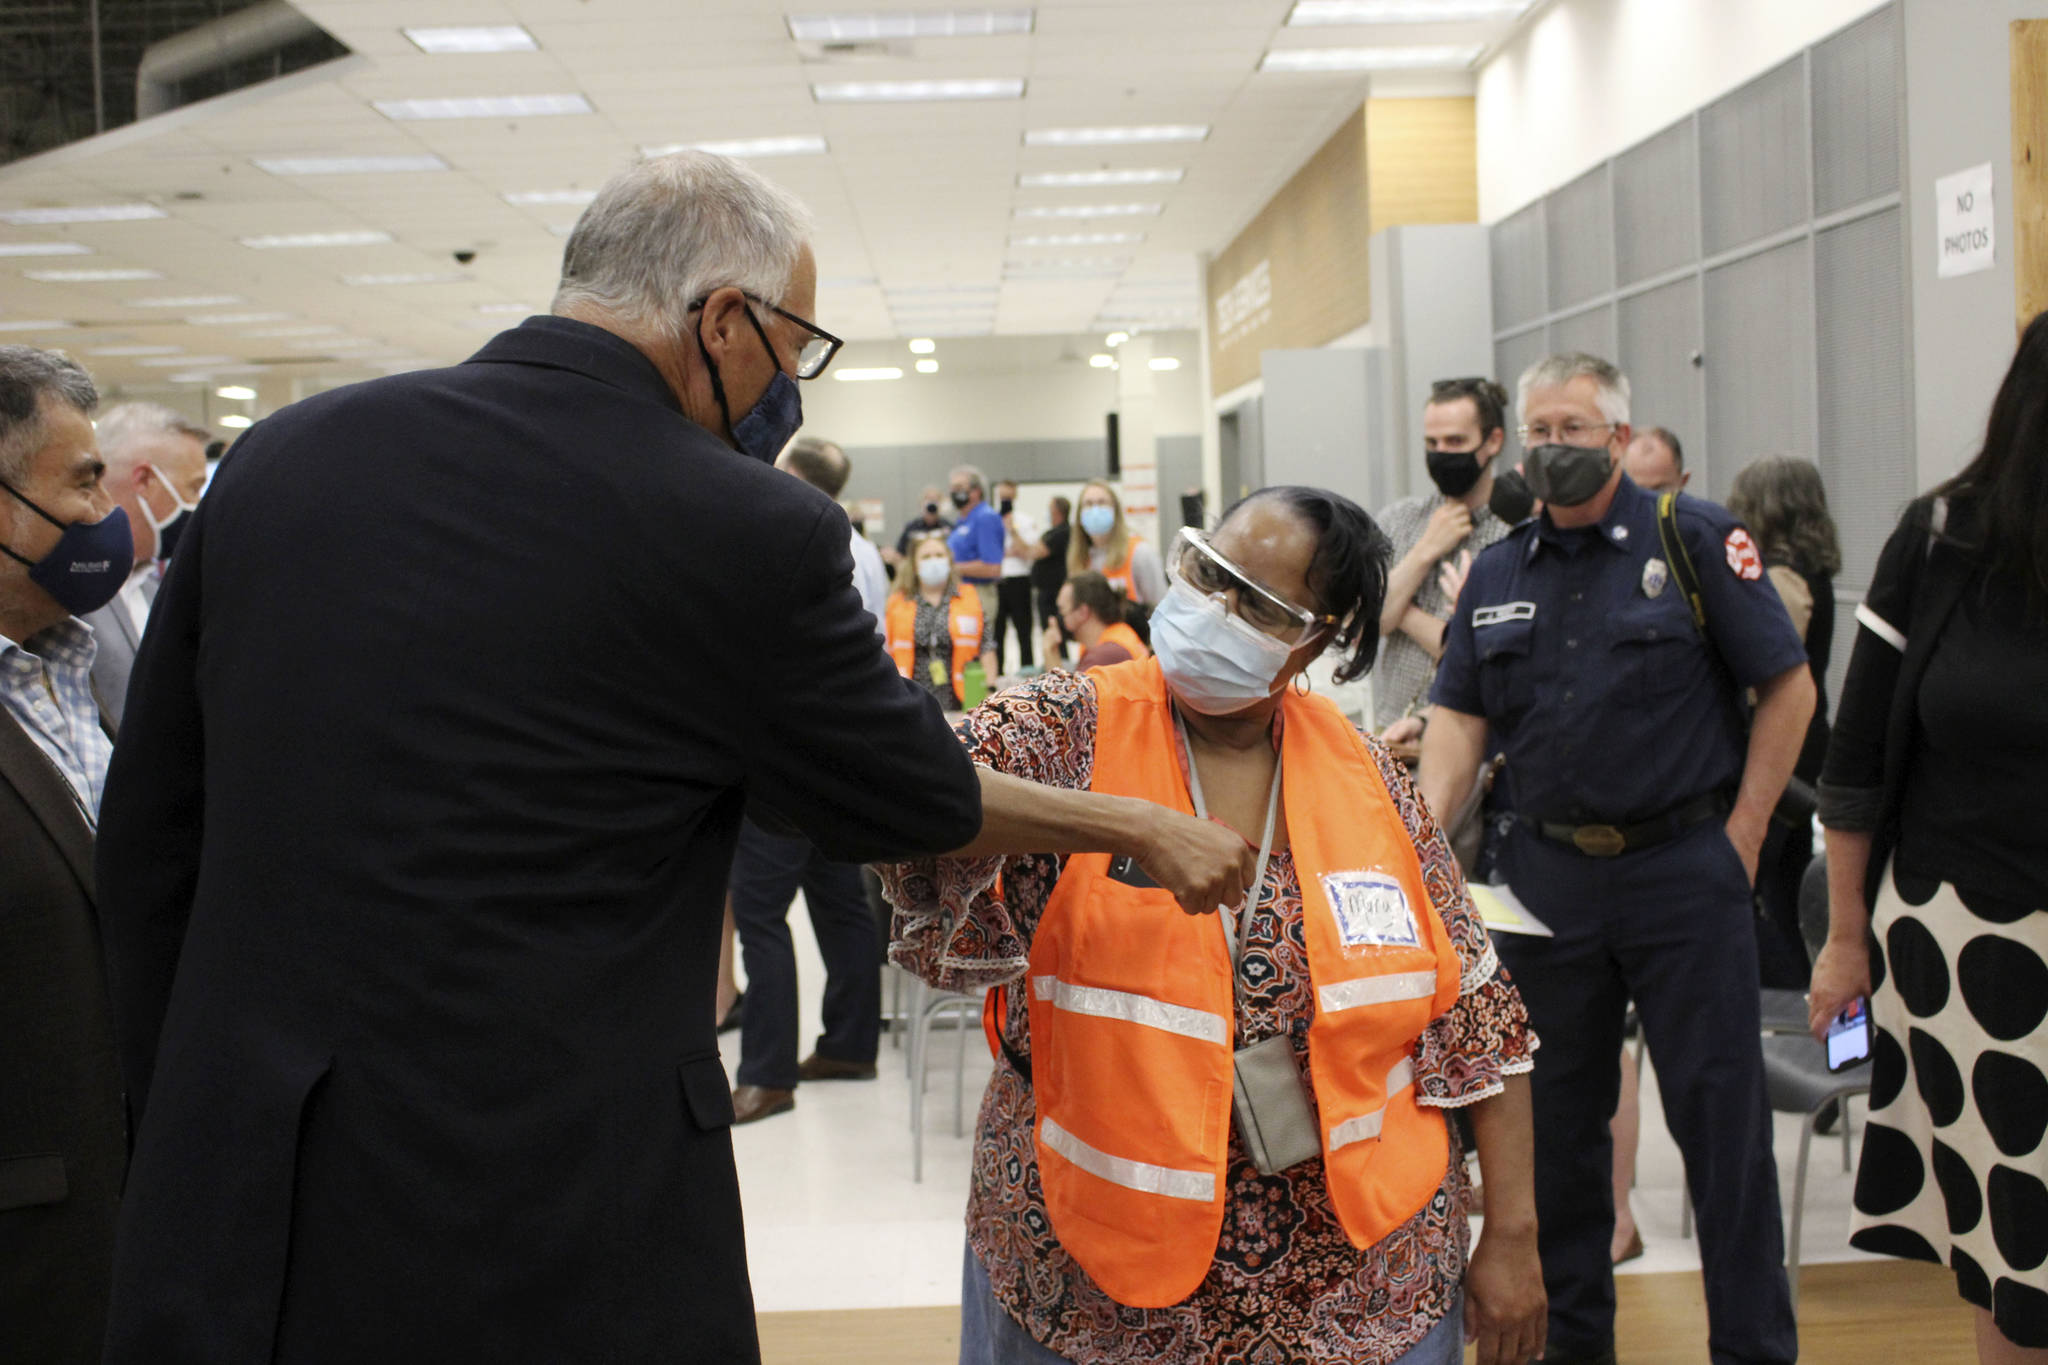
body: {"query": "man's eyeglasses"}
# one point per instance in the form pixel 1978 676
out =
pixel 1205 569
pixel 1572 433
pixel 818 348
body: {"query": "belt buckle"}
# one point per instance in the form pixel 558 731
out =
pixel 1598 841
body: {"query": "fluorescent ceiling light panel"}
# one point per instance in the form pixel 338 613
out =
pixel 483 106
pixel 1107 137
pixel 1081 239
pixel 235 421
pixel 1307 13
pixel 1083 180
pixel 885 92
pixel 169 360
pixel 907 291
pixel 1371 58
pixel 1099 361
pixel 922 346
pixel 1164 362
pixel 44 249
pixel 460 40
pixel 285 240
pixel 927 367
pixel 420 277
pixel 32 325
pixel 940 23
pixel 1087 210
pixel 1116 263
pixel 347 165
pixel 91 276
pixel 235 393
pixel 551 197
pixel 963 329
pixel 186 301
pixel 803 144
pixel 135 350
pixel 234 319
pixel 81 213
pixel 862 376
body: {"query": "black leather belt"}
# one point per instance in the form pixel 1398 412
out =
pixel 1609 841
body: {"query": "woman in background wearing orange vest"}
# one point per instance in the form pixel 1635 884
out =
pixel 1104 543
pixel 932 627
pixel 1090 613
pixel 1124 1208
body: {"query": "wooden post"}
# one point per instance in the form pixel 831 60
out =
pixel 2030 167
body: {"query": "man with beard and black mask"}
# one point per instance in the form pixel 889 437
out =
pixel 1608 663
pixel 1435 536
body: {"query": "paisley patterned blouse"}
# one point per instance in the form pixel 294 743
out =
pixel 1286 1285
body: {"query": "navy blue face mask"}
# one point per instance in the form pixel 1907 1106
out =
pixel 89 564
pixel 775 416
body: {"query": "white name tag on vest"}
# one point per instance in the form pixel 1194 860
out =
pixel 1372 910
pixel 1502 614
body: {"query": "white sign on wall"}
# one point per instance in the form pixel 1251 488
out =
pixel 1965 226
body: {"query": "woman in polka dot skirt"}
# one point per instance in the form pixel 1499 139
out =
pixel 1938 874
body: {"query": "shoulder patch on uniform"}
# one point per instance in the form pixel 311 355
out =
pixel 1743 559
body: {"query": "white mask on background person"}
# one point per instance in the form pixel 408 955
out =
pixel 933 572
pixel 1215 662
pixel 168 529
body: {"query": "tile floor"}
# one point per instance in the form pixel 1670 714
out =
pixel 835 1221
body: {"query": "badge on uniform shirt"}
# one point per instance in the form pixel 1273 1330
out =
pixel 1656 573
pixel 1743 558
pixel 1371 910
pixel 1506 611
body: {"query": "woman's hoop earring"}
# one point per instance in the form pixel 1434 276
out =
pixel 1302 685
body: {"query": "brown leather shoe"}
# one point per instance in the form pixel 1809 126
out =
pixel 818 1067
pixel 751 1102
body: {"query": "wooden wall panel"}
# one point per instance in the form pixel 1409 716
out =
pixel 1422 161
pixel 2030 167
pixel 1298 275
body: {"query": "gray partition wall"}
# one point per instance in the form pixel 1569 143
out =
pixel 1747 267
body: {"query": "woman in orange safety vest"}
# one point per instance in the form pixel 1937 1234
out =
pixel 932 627
pixel 1216 1130
pixel 1103 542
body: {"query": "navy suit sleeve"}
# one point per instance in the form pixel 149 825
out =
pixel 856 756
pixel 1746 618
pixel 146 858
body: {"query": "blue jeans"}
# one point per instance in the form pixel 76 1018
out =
pixel 990 1336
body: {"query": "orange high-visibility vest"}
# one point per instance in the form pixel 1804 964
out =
pixel 964 613
pixel 1132 1010
pixel 1119 573
pixel 1121 634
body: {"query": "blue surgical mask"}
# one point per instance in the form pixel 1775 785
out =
pixel 1098 521
pixel 1215 662
pixel 89 563
pixel 775 416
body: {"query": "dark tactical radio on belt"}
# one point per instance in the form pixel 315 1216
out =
pixel 1609 841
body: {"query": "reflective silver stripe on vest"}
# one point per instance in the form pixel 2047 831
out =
pixel 1881 628
pixel 1133 1009
pixel 1368 1125
pixel 1134 1175
pixel 1376 990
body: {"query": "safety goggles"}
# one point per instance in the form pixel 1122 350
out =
pixel 1208 571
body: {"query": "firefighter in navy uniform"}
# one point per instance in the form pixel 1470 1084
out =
pixel 1611 666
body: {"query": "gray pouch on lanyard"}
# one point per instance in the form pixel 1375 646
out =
pixel 1274 1117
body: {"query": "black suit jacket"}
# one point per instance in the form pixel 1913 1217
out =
pixel 413 861
pixel 63 1139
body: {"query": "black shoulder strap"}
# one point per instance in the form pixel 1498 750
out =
pixel 1680 559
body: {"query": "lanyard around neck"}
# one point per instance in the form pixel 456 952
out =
pixel 1232 939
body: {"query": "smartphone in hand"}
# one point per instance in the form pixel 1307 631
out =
pixel 1849 1035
